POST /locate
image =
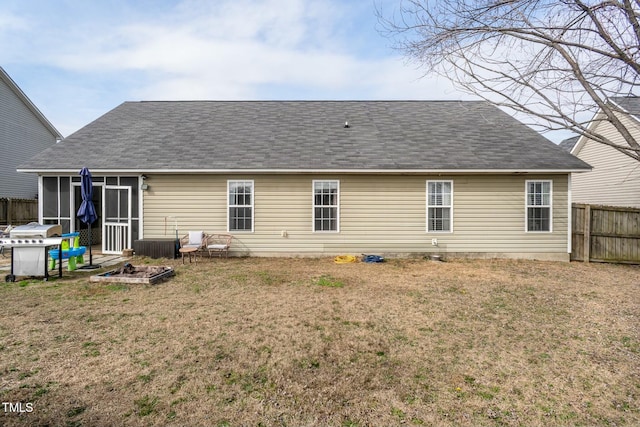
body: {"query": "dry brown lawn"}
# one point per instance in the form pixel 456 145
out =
pixel 307 342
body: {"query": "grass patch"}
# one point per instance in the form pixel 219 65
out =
pixel 329 282
pixel 259 341
pixel 115 287
pixel 90 349
pixel 146 405
pixel 146 378
pixel 75 411
pixel 268 278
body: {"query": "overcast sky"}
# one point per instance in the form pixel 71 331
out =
pixel 77 59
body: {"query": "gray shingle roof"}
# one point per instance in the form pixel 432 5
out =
pixel 305 135
pixel 568 144
pixel 631 104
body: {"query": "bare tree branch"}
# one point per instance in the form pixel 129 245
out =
pixel 558 62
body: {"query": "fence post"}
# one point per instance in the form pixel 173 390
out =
pixel 587 233
pixel 9 210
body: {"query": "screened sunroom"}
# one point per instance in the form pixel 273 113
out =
pixel 117 202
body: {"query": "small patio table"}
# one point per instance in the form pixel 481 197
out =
pixel 189 251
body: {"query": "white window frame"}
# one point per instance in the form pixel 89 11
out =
pixel 229 205
pixel 314 206
pixel 450 206
pixel 527 205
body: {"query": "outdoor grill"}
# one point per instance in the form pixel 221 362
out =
pixel 29 245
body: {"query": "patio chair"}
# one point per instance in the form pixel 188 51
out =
pixel 191 243
pixel 218 244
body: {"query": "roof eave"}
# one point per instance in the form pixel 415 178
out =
pixel 633 116
pixel 310 171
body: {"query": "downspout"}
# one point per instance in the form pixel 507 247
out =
pixel 569 215
pixel 40 199
pixel 141 192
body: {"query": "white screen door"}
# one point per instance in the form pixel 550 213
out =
pixel 116 212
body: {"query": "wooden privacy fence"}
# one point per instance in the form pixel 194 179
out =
pixel 605 234
pixel 18 211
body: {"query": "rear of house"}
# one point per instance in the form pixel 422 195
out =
pixel 318 214
pixel 295 178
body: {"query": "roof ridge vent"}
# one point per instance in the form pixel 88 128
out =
pixel 346 124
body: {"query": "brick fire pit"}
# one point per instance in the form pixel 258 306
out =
pixel 145 274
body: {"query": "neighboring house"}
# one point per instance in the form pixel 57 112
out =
pixel 296 178
pixel 24 132
pixel 615 178
pixel 569 143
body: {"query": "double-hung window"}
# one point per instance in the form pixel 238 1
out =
pixel 326 203
pixel 439 206
pixel 538 199
pixel 240 201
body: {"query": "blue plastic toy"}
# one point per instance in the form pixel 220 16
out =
pixel 71 250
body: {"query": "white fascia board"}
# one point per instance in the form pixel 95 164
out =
pixel 308 171
pixel 633 116
pixel 583 139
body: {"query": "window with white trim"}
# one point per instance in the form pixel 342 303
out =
pixel 326 204
pixel 538 200
pixel 240 200
pixel 439 206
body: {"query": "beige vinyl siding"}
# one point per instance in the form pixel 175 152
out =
pixel 383 214
pixel 615 177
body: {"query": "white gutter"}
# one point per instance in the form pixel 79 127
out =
pixel 306 171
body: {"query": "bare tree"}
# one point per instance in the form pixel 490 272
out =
pixel 557 62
